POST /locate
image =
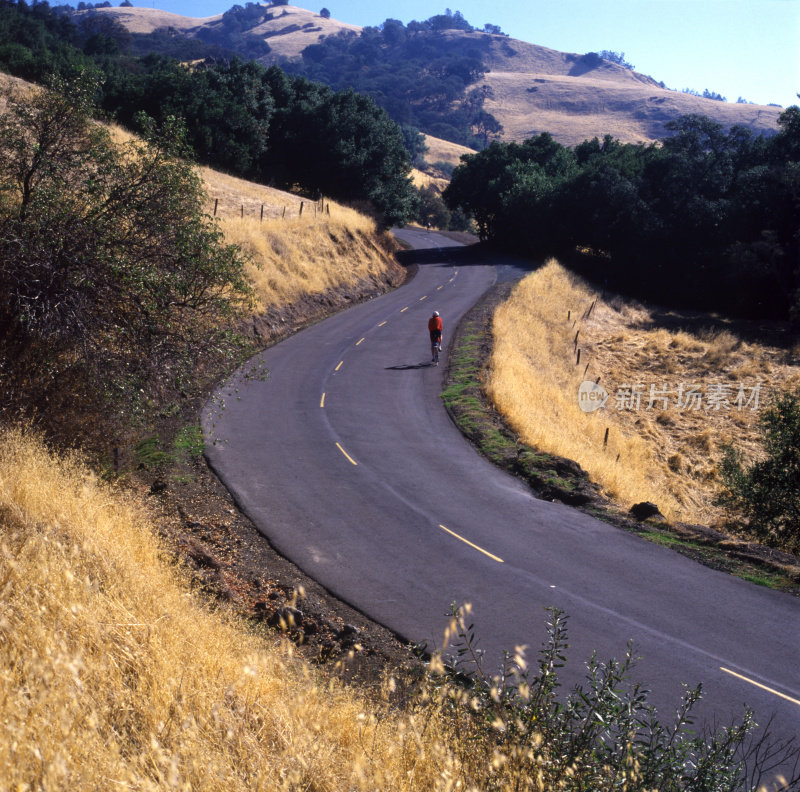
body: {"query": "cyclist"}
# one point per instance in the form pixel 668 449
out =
pixel 435 330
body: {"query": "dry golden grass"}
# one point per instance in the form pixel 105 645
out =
pixel 444 151
pixel 298 257
pixel 667 456
pixel 115 676
pixel 293 253
pixel 422 179
pixel 146 20
pixel 577 108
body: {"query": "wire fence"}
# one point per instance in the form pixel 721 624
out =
pixel 261 211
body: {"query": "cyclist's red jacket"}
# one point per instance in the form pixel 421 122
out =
pixel 435 324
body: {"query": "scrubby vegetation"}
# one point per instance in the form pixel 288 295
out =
pixel 257 123
pixel 707 218
pixel 767 491
pixel 114 283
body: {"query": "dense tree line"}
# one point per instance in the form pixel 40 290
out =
pixel 417 72
pixel 706 217
pixel 258 123
pixel 270 127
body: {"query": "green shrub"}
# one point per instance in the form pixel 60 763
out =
pixel 767 492
pixel 114 284
pixel 602 735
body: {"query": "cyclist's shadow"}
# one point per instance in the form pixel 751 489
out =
pixel 409 366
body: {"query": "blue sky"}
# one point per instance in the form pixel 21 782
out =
pixel 747 48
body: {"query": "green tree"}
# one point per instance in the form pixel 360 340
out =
pixel 113 282
pixel 341 144
pixel 767 492
pixel 432 210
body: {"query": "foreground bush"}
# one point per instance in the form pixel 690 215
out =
pixel 602 735
pixel 113 281
pixel 767 492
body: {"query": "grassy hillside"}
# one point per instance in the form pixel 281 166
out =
pixel 665 454
pixel 115 674
pixel 532 88
pixel 536 89
pixel 295 255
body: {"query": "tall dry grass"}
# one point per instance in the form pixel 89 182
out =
pixel 667 456
pixel 295 257
pixel 534 382
pixel 296 247
pixel 114 676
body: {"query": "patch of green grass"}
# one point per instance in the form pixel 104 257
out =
pixel 149 452
pixel 188 444
pixel 759 580
pixel 669 540
pixel 189 441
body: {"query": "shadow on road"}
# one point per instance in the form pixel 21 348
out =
pixel 408 366
pixel 461 255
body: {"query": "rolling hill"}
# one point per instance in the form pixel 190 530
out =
pixel 529 88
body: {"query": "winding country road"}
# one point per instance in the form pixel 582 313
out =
pixel 348 463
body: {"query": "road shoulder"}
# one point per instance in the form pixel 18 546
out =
pixel 562 480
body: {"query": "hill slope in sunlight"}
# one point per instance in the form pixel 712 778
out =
pixel 531 88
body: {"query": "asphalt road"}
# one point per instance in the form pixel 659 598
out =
pixel 348 463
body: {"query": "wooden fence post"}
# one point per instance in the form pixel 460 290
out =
pixel 216 203
pixel 262 213
pixel 301 208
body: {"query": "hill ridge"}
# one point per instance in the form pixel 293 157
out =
pixel 530 88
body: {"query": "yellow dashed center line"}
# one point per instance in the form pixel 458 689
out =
pixel 474 546
pixel 339 366
pixel 360 342
pixel 349 458
pixel 322 401
pixel 403 309
pixel 759 685
pixel 439 288
pixel 423 298
pixel 381 324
